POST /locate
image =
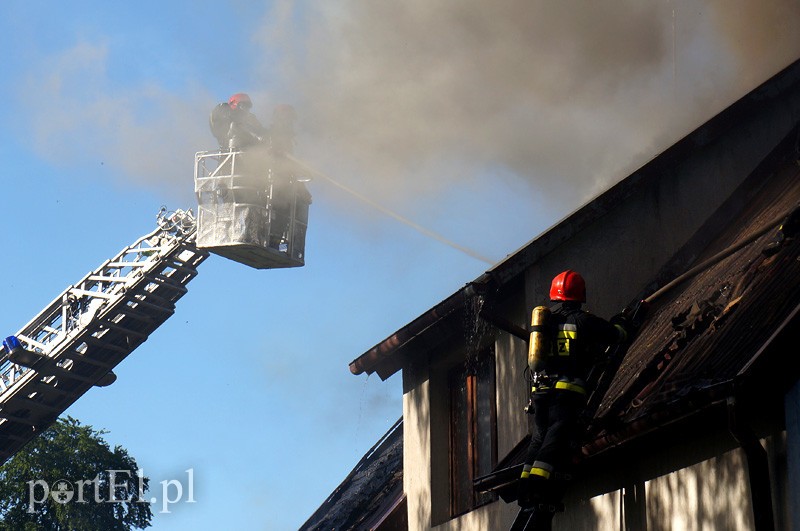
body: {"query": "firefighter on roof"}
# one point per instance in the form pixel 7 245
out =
pixel 564 345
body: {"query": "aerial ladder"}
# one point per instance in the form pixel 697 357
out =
pixel 252 208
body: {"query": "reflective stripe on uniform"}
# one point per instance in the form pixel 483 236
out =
pixel 571 387
pixel 526 471
pixel 540 472
pixel 567 333
pixel 542 469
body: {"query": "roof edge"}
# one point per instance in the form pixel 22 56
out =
pixel 380 357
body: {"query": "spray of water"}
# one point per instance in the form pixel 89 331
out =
pixel 429 233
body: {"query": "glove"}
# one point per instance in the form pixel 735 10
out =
pixel 529 491
pixel 631 318
pixel 623 321
pixel 786 232
pixel 525 494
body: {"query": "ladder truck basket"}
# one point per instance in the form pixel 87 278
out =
pixel 252 208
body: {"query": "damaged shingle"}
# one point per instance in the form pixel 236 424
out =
pixel 709 329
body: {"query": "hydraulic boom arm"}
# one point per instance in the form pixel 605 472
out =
pixel 75 342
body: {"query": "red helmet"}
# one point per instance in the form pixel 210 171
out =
pixel 240 101
pixel 568 286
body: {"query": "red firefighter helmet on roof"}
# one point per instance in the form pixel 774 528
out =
pixel 240 101
pixel 568 286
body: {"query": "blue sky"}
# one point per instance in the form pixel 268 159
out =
pixel 484 135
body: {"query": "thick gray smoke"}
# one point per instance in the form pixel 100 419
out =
pixel 418 95
pixel 144 132
pixel 401 99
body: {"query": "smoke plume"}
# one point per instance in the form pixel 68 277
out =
pixel 145 132
pixel 407 99
pixel 568 95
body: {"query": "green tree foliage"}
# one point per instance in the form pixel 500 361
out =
pixel 64 480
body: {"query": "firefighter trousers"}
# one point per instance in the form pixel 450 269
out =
pixel 555 432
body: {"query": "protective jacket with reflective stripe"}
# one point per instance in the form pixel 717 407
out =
pixel 580 338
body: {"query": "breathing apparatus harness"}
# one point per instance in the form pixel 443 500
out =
pixel 549 340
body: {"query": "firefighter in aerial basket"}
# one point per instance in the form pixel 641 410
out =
pixel 234 126
pixel 566 341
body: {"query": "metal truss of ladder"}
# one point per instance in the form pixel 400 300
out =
pixel 92 326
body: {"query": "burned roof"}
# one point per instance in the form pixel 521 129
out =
pixel 720 334
pixel 707 337
pixel 370 493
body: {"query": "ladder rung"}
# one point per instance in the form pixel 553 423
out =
pixel 76 356
pixel 181 266
pixel 60 372
pixel 105 278
pixel 168 281
pixel 146 250
pixel 152 306
pixel 31 404
pixel 44 388
pixel 128 264
pixel 87 293
pixel 90 340
pixel 149 294
pixel 124 330
pixel 18 420
pixel 130 312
